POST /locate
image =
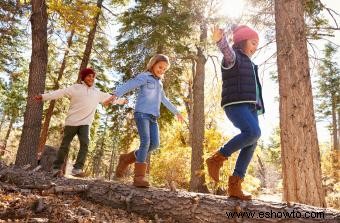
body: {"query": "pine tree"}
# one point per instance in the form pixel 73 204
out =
pixel 32 118
pixel 299 144
pixel 329 98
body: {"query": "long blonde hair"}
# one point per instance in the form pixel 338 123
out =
pixel 155 59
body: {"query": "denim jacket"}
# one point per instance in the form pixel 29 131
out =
pixel 150 94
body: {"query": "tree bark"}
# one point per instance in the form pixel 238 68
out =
pixel 179 206
pixel 90 39
pixel 49 113
pixel 29 140
pixel 99 152
pixel 197 180
pixel 299 143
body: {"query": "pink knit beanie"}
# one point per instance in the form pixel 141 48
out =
pixel 243 32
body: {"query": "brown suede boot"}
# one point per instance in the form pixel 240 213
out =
pixel 124 161
pixel 214 164
pixel 235 189
pixel 140 180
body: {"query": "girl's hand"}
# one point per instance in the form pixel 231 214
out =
pixel 120 101
pixel 217 34
pixel 38 97
pixel 180 118
pixel 109 100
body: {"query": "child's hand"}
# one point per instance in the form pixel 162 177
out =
pixel 217 34
pixel 37 97
pixel 109 100
pixel 180 118
pixel 120 101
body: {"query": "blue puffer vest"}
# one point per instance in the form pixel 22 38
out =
pixel 238 82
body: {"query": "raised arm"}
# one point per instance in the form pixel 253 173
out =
pixel 222 43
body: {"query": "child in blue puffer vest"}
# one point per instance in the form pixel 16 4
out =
pixel 242 102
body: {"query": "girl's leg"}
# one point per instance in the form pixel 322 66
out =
pixel 243 160
pixel 244 117
pixel 154 135
pixel 143 127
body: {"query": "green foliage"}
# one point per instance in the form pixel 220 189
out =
pixel 73 15
pixel 14 93
pixel 12 36
pixel 328 83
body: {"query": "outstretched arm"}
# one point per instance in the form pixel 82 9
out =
pixel 166 102
pixel 53 94
pixel 221 41
pixel 130 85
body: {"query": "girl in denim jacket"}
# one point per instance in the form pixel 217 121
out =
pixel 242 102
pixel 147 110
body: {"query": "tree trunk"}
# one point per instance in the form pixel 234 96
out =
pixel 299 143
pixel 9 131
pixel 49 113
pixel 99 153
pixel 197 181
pixel 90 39
pixel 171 206
pixel 112 162
pixel 36 84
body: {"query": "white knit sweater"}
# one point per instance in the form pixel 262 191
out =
pixel 84 101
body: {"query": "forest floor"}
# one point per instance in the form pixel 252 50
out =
pixel 17 205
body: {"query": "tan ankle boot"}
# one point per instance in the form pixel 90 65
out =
pixel 124 161
pixel 214 163
pixel 235 188
pixel 140 180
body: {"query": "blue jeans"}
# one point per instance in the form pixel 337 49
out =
pixel 244 117
pixel 149 135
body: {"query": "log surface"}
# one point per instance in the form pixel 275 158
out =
pixel 179 206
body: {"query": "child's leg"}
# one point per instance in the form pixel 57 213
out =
pixel 69 133
pixel 154 135
pixel 83 135
pixel 243 160
pixel 143 127
pixel 244 117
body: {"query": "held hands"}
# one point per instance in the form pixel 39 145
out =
pixel 217 34
pixel 114 100
pixel 109 100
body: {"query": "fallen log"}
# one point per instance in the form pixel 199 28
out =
pixel 180 206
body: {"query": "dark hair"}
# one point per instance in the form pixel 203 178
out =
pixel 86 71
pixel 240 45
